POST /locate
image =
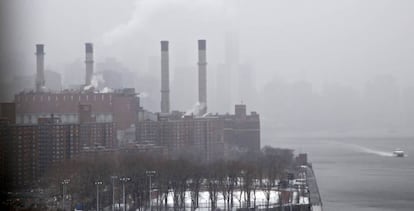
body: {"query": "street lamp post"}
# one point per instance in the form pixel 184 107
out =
pixel 124 180
pixel 150 174
pixel 64 183
pixel 290 181
pixel 97 183
pixel 113 178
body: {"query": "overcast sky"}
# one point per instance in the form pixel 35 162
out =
pixel 322 41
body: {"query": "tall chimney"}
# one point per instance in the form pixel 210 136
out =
pixel 202 76
pixel 88 63
pixel 40 68
pixel 165 78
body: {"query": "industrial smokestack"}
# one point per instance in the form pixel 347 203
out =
pixel 40 68
pixel 165 78
pixel 88 63
pixel 202 77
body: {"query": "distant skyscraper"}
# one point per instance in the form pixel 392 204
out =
pixel 232 48
pixel 148 83
pixel 113 74
pixel 223 89
pixel 74 74
pixel 227 73
pixel 246 86
pixel 53 81
pixel 184 77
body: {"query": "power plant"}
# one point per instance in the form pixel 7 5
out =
pixel 211 136
pixel 93 120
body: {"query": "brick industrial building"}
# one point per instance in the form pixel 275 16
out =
pixel 207 135
pixel 41 128
pixel 29 150
pixel 198 135
pixel 118 106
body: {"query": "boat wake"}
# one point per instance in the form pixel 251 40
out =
pixel 369 150
pixel 373 151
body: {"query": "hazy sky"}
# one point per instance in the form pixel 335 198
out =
pixel 322 41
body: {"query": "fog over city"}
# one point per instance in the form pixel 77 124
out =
pixel 340 65
pixel 207 105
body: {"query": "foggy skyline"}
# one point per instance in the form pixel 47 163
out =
pixel 253 48
pixel 319 41
pixel 246 85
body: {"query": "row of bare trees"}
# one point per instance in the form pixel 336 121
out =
pixel 181 178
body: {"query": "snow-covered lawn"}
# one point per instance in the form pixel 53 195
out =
pixel 239 199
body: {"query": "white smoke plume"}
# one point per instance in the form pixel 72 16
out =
pixel 143 94
pixel 106 90
pixel 97 82
pixel 207 114
pixel 195 110
pixel 145 9
pixel 85 88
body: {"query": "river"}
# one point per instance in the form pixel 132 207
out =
pixel 358 174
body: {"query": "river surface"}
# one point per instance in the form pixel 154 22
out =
pixel 358 174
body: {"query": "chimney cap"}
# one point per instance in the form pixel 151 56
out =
pixel 164 45
pixel 88 47
pixel 39 49
pixel 201 44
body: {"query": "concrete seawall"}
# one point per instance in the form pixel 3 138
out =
pixel 315 197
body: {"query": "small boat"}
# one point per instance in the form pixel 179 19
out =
pixel 398 153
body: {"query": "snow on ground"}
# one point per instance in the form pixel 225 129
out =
pixel 238 199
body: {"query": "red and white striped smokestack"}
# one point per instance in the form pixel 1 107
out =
pixel 40 67
pixel 165 78
pixel 202 76
pixel 88 63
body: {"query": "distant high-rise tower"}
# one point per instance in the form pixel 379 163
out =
pixel 165 78
pixel 202 76
pixel 40 69
pixel 88 63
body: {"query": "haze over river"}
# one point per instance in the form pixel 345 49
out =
pixel 358 174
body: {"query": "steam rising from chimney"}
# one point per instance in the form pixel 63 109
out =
pixel 165 78
pixel 202 76
pixel 40 71
pixel 88 63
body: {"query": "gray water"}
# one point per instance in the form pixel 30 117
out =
pixel 358 173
